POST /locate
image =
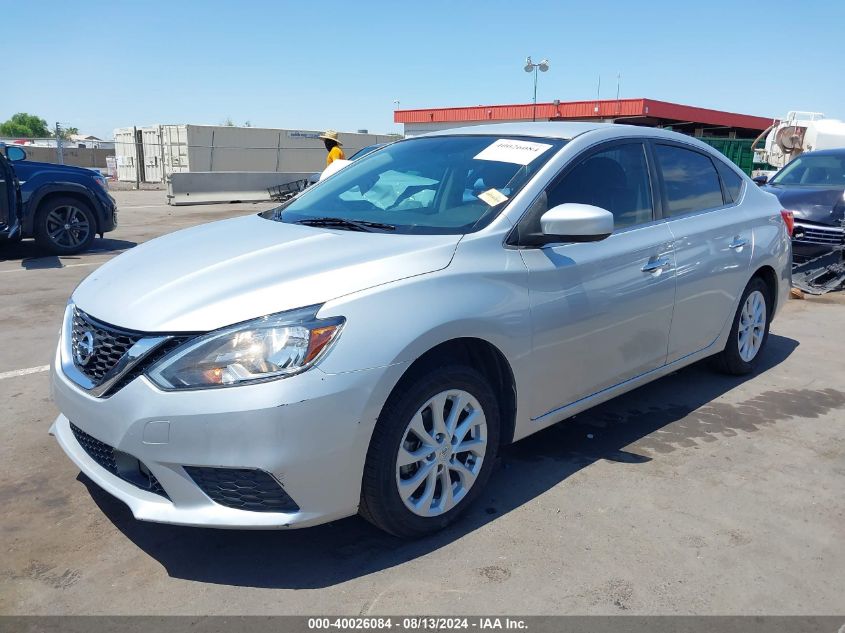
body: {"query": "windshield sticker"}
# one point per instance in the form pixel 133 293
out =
pixel 492 197
pixel 507 150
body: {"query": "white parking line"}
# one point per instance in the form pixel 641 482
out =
pixel 23 372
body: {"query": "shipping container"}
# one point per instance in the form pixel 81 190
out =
pixel 125 153
pixel 168 149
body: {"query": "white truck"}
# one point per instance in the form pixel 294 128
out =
pixel 796 133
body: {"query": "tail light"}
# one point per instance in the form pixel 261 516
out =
pixel 788 220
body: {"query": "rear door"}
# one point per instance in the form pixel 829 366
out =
pixel 600 311
pixel 713 242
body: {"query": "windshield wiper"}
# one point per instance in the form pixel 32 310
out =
pixel 351 225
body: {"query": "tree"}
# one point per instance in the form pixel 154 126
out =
pixel 228 122
pixel 67 132
pixel 26 126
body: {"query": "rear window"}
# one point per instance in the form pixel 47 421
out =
pixel 732 182
pixel 690 178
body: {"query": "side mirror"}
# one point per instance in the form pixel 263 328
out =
pixel 15 153
pixel 760 180
pixel 573 222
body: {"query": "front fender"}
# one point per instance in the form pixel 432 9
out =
pixel 35 196
pixel 482 294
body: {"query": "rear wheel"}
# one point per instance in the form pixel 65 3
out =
pixel 431 453
pixel 64 226
pixel 750 330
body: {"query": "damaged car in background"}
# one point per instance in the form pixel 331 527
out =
pixel 812 187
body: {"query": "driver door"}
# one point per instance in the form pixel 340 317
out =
pixel 9 200
pixel 600 311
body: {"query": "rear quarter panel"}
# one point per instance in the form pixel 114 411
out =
pixel 772 244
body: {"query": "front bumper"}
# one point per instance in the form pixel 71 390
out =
pixel 310 432
pixel 811 239
pixel 109 215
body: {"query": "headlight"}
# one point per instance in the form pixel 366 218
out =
pixel 271 347
pixel 100 180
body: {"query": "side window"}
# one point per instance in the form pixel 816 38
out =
pixel 690 178
pixel 732 182
pixel 615 179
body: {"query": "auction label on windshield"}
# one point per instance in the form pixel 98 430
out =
pixel 493 197
pixel 506 150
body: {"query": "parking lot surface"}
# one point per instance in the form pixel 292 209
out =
pixel 699 493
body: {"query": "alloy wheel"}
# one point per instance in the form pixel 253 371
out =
pixel 441 453
pixel 67 226
pixel 752 326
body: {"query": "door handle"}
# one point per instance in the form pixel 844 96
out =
pixel 655 265
pixel 738 242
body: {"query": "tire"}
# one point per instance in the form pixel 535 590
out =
pixel 413 403
pixel 735 359
pixel 65 225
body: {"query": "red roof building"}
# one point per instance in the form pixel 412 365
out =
pixel 649 112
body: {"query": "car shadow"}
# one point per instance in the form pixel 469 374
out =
pixel 674 413
pixel 33 257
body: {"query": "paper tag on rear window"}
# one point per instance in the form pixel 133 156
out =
pixel 507 150
pixel 492 197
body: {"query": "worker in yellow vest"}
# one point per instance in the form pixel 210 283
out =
pixel 333 147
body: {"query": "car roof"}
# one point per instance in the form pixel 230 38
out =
pixel 547 129
pixel 567 130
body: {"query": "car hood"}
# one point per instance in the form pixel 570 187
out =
pixel 27 166
pixel 217 274
pixel 816 204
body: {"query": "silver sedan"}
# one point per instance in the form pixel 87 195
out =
pixel 369 346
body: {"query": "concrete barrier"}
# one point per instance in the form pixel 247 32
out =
pixel 209 187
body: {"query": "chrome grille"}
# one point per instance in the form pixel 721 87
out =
pixel 110 344
pixel 819 234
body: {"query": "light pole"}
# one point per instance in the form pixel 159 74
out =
pixel 396 104
pixel 542 66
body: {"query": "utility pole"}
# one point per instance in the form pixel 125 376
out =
pixel 60 153
pixel 598 97
pixel 618 89
pixel 530 66
pixel 137 157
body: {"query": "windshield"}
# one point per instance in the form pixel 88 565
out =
pixel 366 150
pixel 821 170
pixel 441 185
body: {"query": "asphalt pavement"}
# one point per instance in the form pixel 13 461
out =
pixel 697 494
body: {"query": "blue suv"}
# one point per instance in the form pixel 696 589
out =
pixel 62 207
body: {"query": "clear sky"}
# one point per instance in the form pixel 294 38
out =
pixel 98 65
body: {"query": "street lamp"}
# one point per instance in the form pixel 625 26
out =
pixel 542 66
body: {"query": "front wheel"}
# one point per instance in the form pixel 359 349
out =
pixel 432 452
pixel 64 226
pixel 750 331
